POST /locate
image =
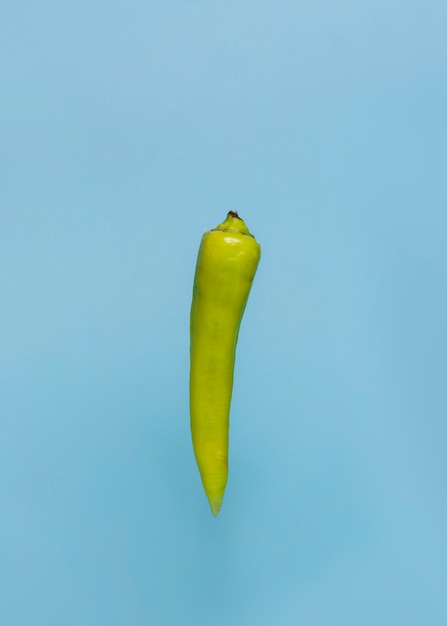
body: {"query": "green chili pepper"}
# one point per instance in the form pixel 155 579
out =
pixel 226 266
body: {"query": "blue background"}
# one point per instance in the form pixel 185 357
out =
pixel 127 130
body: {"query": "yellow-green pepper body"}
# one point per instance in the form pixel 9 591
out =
pixel 226 265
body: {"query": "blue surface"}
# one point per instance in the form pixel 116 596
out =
pixel 129 128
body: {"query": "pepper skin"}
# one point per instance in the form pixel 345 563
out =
pixel 226 266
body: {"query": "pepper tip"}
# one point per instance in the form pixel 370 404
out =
pixel 215 504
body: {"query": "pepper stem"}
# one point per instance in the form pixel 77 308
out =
pixel 234 224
